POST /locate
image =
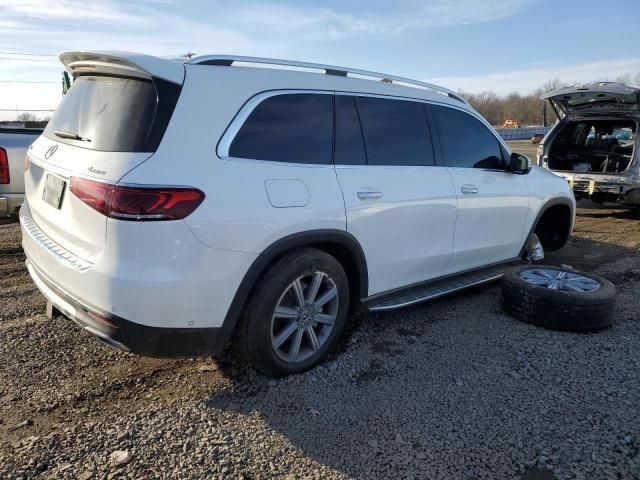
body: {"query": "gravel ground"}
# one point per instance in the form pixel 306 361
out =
pixel 452 389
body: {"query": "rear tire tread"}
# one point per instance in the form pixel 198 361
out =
pixel 253 337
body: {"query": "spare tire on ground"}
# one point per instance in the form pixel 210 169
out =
pixel 558 298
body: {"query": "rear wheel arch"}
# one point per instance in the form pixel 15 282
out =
pixel 340 244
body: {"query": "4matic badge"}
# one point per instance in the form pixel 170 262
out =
pixel 96 171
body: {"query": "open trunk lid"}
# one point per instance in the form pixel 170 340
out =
pixel 601 98
pixel 111 120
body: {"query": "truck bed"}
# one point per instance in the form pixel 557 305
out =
pixel 15 142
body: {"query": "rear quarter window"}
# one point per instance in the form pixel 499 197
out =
pixel 290 128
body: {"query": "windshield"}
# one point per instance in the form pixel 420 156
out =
pixel 105 113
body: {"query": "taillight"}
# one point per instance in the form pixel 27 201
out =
pixel 4 167
pixel 26 162
pixel 137 203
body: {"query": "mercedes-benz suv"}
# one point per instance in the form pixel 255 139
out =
pixel 173 205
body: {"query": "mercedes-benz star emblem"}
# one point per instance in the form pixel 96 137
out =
pixel 50 152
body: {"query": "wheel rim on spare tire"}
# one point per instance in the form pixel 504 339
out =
pixel 304 317
pixel 559 280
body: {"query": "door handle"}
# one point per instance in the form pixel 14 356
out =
pixel 369 195
pixel 469 189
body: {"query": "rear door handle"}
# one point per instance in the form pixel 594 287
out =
pixel 468 189
pixel 369 195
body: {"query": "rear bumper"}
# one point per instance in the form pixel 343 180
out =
pixel 10 203
pixel 620 189
pixel 158 275
pixel 156 291
pixel 127 335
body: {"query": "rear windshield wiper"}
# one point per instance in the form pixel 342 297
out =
pixel 70 135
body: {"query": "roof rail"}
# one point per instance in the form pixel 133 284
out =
pixel 229 60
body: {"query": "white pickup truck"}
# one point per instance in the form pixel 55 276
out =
pixel 14 143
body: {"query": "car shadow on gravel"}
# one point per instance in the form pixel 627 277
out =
pixel 453 388
pixel 627 214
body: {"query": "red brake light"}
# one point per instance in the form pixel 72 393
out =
pixel 4 167
pixel 137 203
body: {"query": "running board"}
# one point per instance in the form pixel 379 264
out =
pixel 436 289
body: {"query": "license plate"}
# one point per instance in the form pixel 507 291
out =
pixel 53 190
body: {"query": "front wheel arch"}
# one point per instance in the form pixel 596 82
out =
pixel 553 224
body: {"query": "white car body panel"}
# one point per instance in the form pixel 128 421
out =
pixel 544 187
pixel 75 226
pixel 409 229
pixel 490 225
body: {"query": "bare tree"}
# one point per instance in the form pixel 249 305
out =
pixel 526 109
pixel 26 117
pixel 550 85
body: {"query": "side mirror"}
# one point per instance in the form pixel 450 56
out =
pixel 519 164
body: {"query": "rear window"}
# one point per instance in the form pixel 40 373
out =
pixel 112 114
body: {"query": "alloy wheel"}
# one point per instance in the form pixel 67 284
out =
pixel 559 280
pixel 304 317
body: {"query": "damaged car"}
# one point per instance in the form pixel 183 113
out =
pixel 594 145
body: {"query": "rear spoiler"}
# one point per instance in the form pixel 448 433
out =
pixel 123 63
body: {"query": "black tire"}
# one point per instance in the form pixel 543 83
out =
pixel 255 332
pixel 558 309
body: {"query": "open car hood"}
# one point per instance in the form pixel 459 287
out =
pixel 602 98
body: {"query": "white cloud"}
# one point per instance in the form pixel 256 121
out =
pixel 165 27
pixel 322 22
pixel 97 10
pixel 527 80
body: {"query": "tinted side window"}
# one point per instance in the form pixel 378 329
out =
pixel 294 128
pixel 395 132
pixel 466 142
pixel 349 148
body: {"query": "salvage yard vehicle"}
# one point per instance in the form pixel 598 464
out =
pixel 537 138
pixel 594 145
pixel 173 205
pixel 13 150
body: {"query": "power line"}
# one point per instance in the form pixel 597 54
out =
pixel 26 59
pixel 26 81
pixel 25 110
pixel 29 54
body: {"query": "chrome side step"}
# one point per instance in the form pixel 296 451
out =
pixel 436 289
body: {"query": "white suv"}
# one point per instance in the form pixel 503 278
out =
pixel 171 204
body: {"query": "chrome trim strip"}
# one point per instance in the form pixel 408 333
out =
pixel 51 247
pixel 222 149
